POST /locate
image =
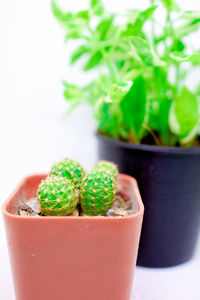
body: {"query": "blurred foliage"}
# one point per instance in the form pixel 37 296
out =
pixel 141 87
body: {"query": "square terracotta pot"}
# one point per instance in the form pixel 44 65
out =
pixel 72 258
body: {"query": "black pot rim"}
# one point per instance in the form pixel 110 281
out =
pixel 150 148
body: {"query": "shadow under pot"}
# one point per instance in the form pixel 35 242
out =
pixel 168 179
pixel 72 257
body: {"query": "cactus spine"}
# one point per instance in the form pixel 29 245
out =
pixel 103 164
pixel 69 169
pixel 98 192
pixel 57 196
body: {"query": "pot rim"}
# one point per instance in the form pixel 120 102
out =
pixel 150 148
pixel 129 178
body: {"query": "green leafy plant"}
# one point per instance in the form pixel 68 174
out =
pixel 142 64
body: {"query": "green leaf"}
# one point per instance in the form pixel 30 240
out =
pixel 143 49
pixel 133 14
pixel 72 24
pixel 178 45
pixel 197 90
pixel 187 28
pixel 74 33
pixel 93 61
pixel 104 27
pixel 61 15
pixel 181 57
pixel 134 107
pixel 98 88
pixel 142 18
pixel 117 91
pixel 136 26
pixel 190 15
pixel 83 14
pixel 72 92
pixel 170 5
pixel 78 53
pixel 108 115
pixel 184 117
pixel 163 120
pixel 146 52
pixel 97 7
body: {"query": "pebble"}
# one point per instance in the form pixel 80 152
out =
pixel 120 208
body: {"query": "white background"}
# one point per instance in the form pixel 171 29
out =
pixel 34 131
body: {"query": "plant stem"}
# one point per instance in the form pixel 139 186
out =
pixel 109 65
pixel 178 77
pixel 111 71
pixel 132 136
pixel 156 140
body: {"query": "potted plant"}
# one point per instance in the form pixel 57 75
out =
pixel 57 254
pixel 147 113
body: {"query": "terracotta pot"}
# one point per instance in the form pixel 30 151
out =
pixel 72 258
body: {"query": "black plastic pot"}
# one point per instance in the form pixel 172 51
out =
pixel 169 181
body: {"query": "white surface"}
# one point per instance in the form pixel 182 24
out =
pixel 34 132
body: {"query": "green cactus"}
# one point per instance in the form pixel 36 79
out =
pixel 57 196
pixel 98 192
pixel 103 164
pixel 70 169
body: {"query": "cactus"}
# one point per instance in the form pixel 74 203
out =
pixel 57 196
pixel 103 164
pixel 70 169
pixel 98 192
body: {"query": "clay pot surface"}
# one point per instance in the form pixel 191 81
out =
pixel 72 258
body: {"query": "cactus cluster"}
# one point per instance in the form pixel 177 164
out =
pixel 109 166
pixel 59 195
pixel 69 169
pixel 98 192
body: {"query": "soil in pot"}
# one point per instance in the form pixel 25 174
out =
pixel 122 207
